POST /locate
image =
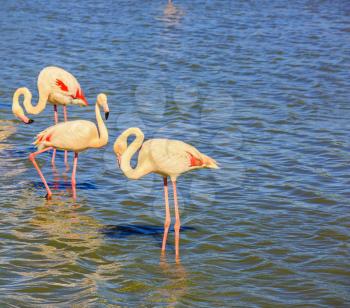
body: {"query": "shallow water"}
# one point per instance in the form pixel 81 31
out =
pixel 261 86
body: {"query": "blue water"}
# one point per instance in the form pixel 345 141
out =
pixel 261 86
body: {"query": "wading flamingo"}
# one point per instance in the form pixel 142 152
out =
pixel 56 86
pixel 76 136
pixel 169 158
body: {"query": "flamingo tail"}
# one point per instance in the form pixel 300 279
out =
pixel 210 162
pixel 42 140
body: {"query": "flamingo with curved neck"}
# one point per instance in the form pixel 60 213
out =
pixel 56 86
pixel 76 136
pixel 166 157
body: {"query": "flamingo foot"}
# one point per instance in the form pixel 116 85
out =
pixel 48 197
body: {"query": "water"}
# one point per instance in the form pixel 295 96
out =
pixel 261 86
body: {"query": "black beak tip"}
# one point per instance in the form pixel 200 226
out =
pixel 106 115
pixel 30 121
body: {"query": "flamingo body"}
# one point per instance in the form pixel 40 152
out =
pixel 64 87
pixel 76 136
pixel 171 158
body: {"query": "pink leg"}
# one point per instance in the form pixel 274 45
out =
pixel 53 157
pixel 32 158
pixel 167 214
pixel 73 175
pixel 177 223
pixel 56 121
pixel 65 152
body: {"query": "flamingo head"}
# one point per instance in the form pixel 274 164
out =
pixel 102 102
pixel 121 143
pixel 119 148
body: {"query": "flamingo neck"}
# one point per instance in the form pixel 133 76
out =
pixel 125 166
pixel 18 110
pixel 101 128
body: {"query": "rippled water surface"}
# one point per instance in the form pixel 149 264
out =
pixel 261 86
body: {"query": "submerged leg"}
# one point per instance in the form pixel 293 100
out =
pixel 56 121
pixel 177 223
pixel 73 174
pixel 167 214
pixel 32 158
pixel 65 152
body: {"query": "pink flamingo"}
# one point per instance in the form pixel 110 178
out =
pixel 56 86
pixel 76 136
pixel 169 158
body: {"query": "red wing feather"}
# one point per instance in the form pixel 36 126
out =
pixel 62 85
pixel 48 138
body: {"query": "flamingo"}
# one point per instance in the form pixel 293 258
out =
pixel 76 136
pixel 56 86
pixel 168 158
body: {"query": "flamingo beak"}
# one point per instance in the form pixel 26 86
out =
pixel 106 115
pixel 25 119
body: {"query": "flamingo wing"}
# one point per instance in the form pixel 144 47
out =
pixel 61 85
pixel 173 157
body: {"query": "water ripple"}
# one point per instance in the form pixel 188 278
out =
pixel 262 86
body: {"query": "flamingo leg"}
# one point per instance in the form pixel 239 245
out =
pixel 73 174
pixel 56 121
pixel 177 223
pixel 65 152
pixel 167 214
pixel 55 113
pixel 32 159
